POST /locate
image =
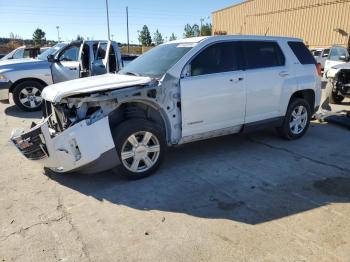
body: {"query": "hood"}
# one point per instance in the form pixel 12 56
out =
pixel 56 92
pixel 342 66
pixel 21 64
pixel 333 71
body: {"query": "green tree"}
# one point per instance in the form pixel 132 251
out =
pixel 80 38
pixel 191 31
pixel 172 37
pixel 158 38
pixel 196 30
pixel 188 31
pixel 145 37
pixel 39 37
pixel 206 30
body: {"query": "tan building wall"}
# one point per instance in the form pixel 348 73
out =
pixel 314 21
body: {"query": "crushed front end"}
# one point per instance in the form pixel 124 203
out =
pixel 69 139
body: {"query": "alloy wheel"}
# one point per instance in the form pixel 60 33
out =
pixel 140 152
pixel 30 97
pixel 298 120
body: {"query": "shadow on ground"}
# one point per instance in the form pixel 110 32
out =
pixel 14 111
pixel 231 178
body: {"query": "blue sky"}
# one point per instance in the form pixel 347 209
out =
pixel 87 17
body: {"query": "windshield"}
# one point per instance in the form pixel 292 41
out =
pixel 10 55
pixel 156 62
pixel 51 51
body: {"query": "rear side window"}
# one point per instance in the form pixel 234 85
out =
pixel 302 53
pixel 262 54
pixel 218 58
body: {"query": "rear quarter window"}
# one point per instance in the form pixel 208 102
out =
pixel 302 53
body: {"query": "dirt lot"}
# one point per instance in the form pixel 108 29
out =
pixel 248 197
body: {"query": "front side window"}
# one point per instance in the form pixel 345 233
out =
pixel 262 54
pixel 217 58
pixel 70 54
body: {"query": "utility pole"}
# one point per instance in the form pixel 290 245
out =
pixel 58 34
pixel 200 30
pixel 127 27
pixel 109 34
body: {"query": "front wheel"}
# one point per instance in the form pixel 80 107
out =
pixel 141 146
pixel 297 119
pixel 334 98
pixel 27 96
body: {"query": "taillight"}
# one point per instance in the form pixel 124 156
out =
pixel 319 69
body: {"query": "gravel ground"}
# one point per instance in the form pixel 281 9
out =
pixel 252 197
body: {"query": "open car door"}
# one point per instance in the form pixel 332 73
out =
pixel 106 58
pixel 99 66
pixel 66 66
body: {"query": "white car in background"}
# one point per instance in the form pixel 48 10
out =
pixel 321 55
pixel 337 55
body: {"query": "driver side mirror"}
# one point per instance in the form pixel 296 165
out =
pixel 344 58
pixel 51 58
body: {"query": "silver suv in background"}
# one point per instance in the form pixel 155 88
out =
pixel 26 78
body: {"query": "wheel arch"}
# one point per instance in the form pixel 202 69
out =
pixel 140 109
pixel 19 81
pixel 308 94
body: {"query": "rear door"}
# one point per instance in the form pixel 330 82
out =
pixel 213 95
pixel 266 72
pixel 67 65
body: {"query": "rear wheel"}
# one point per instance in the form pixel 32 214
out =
pixel 27 96
pixel 297 119
pixel 140 145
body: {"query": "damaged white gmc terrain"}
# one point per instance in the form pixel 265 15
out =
pixel 178 92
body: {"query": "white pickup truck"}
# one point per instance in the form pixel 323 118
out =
pixel 26 78
pixel 176 93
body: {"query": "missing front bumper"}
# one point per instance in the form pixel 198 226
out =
pixel 70 150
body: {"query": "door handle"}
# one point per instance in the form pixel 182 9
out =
pixel 72 68
pixel 236 79
pixel 284 73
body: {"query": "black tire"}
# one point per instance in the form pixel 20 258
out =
pixel 333 98
pixel 285 130
pixel 18 95
pixel 126 129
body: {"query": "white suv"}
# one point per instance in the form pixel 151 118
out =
pixel 178 92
